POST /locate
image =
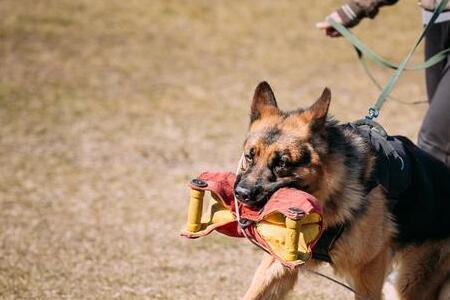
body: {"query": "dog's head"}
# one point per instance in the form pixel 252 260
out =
pixel 282 149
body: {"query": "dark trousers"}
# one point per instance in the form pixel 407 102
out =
pixel 434 135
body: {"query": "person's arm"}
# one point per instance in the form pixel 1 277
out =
pixel 352 13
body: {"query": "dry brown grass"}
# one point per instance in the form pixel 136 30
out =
pixel 108 107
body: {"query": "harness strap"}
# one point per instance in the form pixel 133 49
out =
pixel 321 250
pixel 376 131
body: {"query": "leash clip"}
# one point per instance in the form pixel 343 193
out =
pixel 373 113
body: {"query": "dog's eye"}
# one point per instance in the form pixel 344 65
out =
pixel 281 164
pixel 249 156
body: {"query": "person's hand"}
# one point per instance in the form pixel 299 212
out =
pixel 326 26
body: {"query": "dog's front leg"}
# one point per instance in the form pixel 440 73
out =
pixel 271 281
pixel 369 279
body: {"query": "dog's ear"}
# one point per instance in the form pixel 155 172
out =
pixel 319 110
pixel 264 102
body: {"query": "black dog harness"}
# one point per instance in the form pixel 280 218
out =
pixel 416 184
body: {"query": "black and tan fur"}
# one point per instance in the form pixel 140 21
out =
pixel 306 149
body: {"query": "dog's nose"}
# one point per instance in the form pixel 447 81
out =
pixel 242 194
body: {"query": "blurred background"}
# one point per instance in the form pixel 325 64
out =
pixel 108 108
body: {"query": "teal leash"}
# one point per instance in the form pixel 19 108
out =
pixel 374 110
pixel 379 86
pixel 363 51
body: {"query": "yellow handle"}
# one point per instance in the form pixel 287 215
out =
pixel 291 239
pixel 195 211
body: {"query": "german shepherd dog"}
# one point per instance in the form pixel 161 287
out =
pixel 308 150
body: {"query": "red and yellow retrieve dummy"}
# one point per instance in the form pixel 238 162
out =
pixel 287 227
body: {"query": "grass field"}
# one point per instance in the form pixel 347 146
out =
pixel 107 108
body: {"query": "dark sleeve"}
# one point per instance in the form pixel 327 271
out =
pixel 355 10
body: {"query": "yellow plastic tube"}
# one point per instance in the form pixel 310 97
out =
pixel 291 239
pixel 195 211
